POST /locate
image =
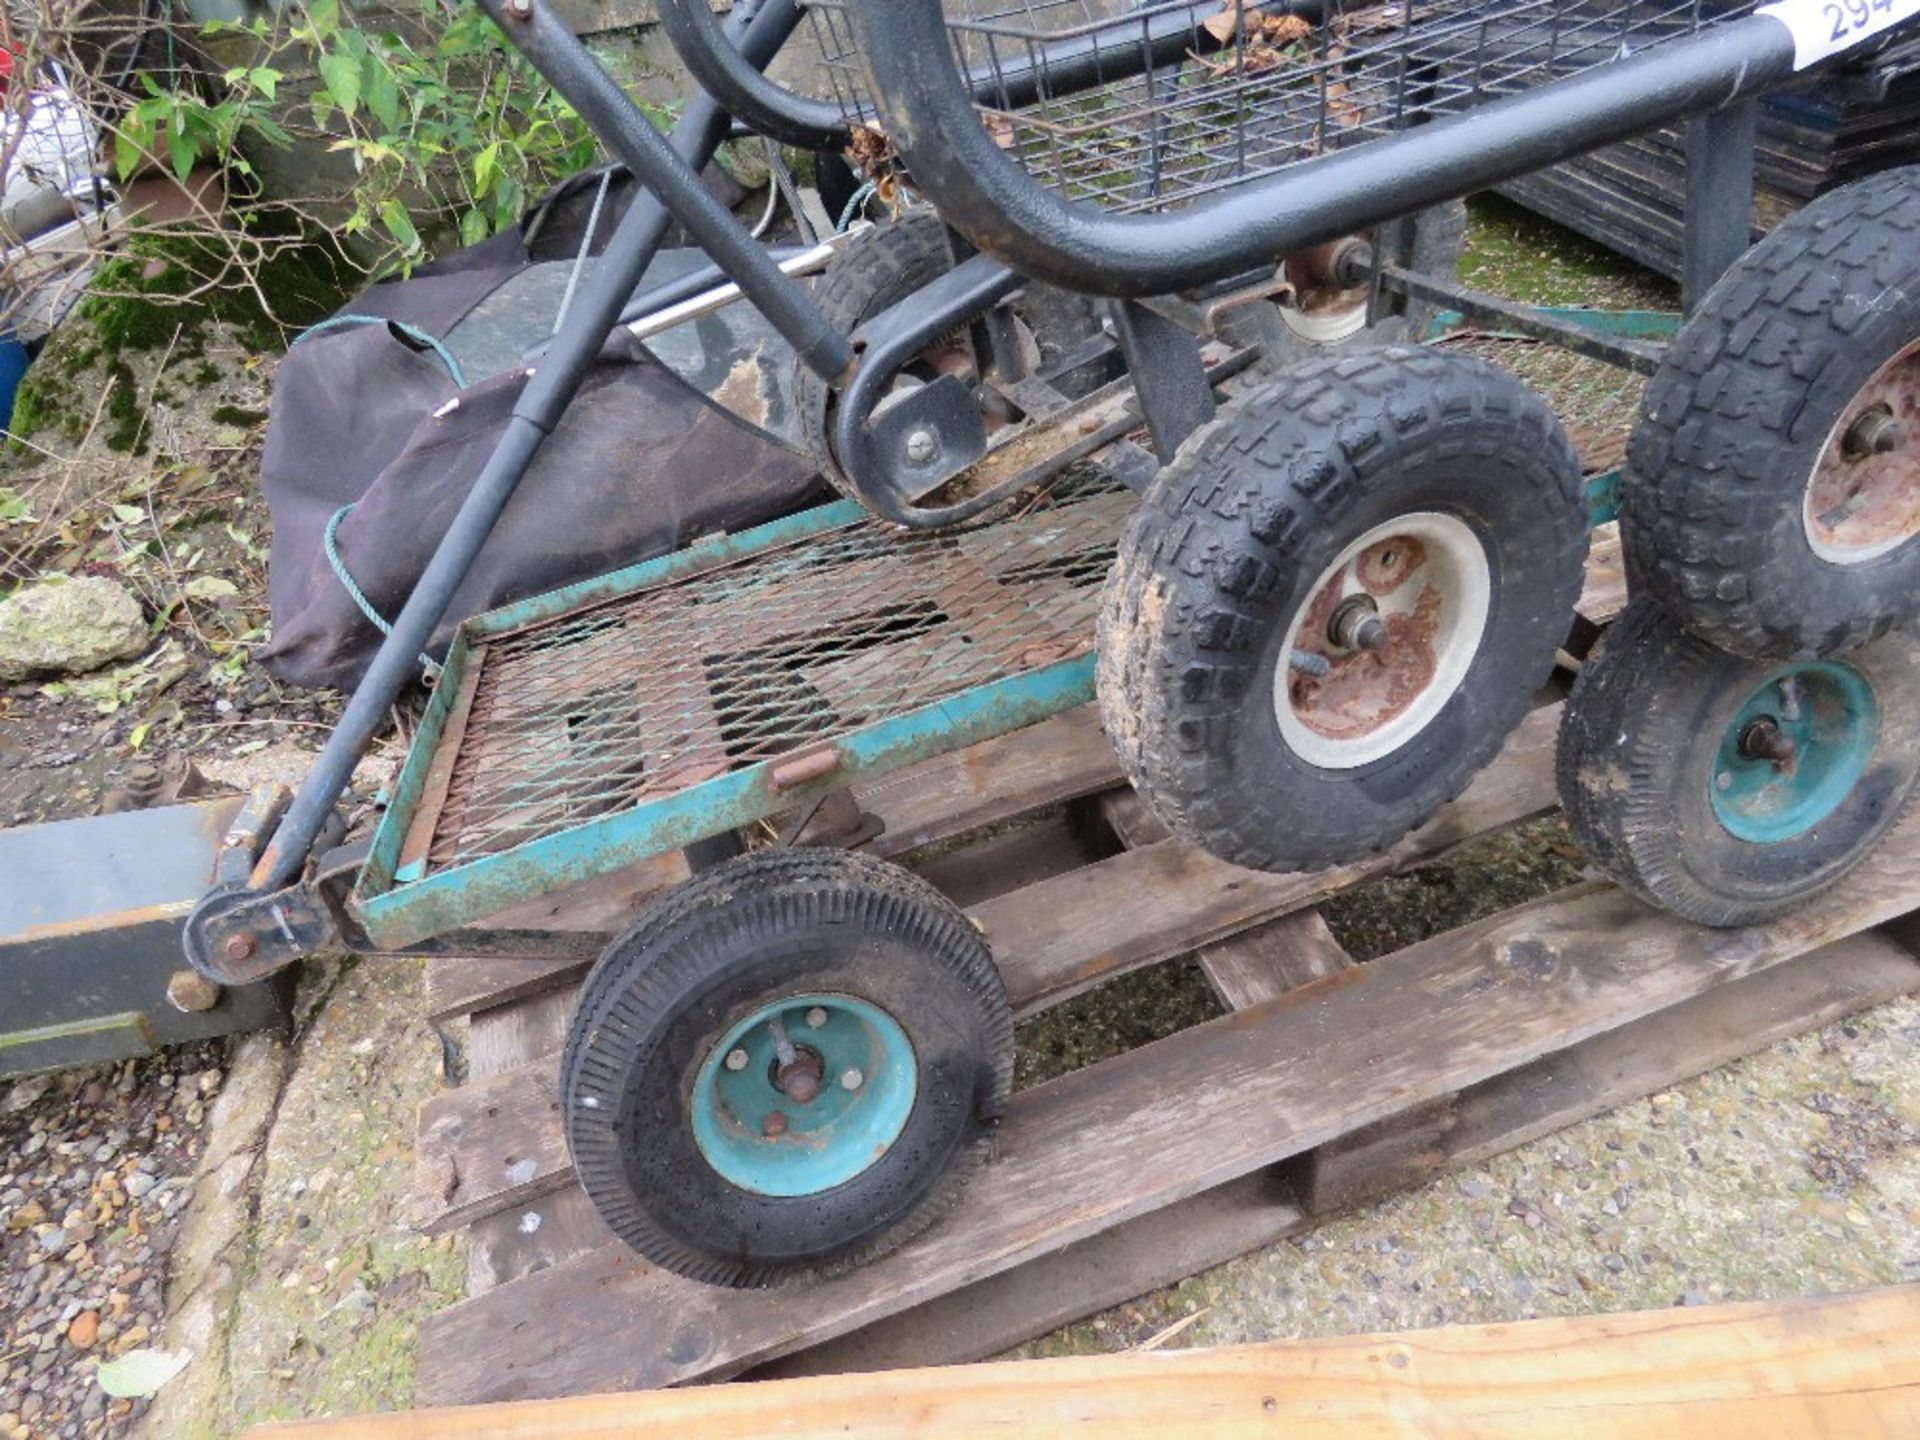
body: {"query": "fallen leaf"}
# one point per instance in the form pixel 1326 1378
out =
pixel 140 1373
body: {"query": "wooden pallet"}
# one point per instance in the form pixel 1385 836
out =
pixel 1328 1082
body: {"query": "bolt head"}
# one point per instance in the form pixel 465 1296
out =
pixel 816 1017
pixel 1724 780
pixel 737 1060
pixel 238 947
pixel 922 446
pixel 774 1126
pixel 191 993
pixel 851 1079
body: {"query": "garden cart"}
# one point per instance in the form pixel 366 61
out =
pixel 1111 419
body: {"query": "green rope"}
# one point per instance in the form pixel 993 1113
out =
pixel 330 542
pixel 412 332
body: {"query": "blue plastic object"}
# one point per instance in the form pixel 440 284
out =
pixel 13 368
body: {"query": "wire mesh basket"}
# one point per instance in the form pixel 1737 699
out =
pixel 1188 99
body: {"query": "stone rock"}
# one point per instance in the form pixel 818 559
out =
pixel 68 627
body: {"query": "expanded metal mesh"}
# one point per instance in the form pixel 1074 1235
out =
pixel 629 701
pixel 1234 90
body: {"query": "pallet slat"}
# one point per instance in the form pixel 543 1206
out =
pixel 1165 1122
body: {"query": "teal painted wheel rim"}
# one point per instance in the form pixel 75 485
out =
pixel 762 1139
pixel 1829 712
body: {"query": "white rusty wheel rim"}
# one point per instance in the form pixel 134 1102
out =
pixel 1454 568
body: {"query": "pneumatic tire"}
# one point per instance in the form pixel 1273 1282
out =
pixel 1422 489
pixel 671 1081
pixel 1670 784
pixel 1772 496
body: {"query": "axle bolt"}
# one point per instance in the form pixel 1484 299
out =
pixel 1352 264
pixel 1875 433
pixel 239 947
pixel 737 1060
pixel 190 992
pixel 1723 781
pixel 1356 624
pixel 852 1080
pixel 922 446
pixel 1765 740
pixel 774 1126
pixel 816 1017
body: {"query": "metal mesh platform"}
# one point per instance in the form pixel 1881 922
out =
pixel 1249 89
pixel 629 701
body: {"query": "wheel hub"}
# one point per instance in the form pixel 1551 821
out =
pixel 765 1114
pixel 1863 499
pixel 1794 751
pixel 1329 284
pixel 1387 635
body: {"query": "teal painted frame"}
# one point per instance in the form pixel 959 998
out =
pixel 397 910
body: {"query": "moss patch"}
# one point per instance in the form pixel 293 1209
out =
pixel 155 300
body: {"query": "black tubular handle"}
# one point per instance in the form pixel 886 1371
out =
pixel 983 193
pixel 720 69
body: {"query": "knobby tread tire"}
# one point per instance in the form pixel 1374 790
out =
pixel 1637 746
pixel 1738 415
pixel 682 945
pixel 1229 537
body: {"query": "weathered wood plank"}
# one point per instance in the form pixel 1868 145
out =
pixel 1813 1368
pixel 1255 965
pixel 997 779
pixel 1267 962
pixel 1608 1071
pixel 1126 1137
pixel 496 1143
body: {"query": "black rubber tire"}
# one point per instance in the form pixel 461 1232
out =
pixel 664 993
pixel 1638 745
pixel 1739 413
pixel 1232 535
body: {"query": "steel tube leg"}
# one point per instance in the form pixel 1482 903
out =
pixel 604 296
pixel 1719 221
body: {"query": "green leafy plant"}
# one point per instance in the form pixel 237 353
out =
pixel 449 131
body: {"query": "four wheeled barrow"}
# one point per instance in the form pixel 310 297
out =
pixel 1122 415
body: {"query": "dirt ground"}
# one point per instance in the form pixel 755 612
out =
pixel 271 1242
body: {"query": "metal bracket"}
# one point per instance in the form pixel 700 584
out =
pixel 1721 152
pixel 1508 315
pixel 925 437
pixel 1169 379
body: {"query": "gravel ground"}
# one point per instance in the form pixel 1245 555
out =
pixel 99 1164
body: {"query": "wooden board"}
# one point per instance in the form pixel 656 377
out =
pixel 1830 1366
pixel 1163 1123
